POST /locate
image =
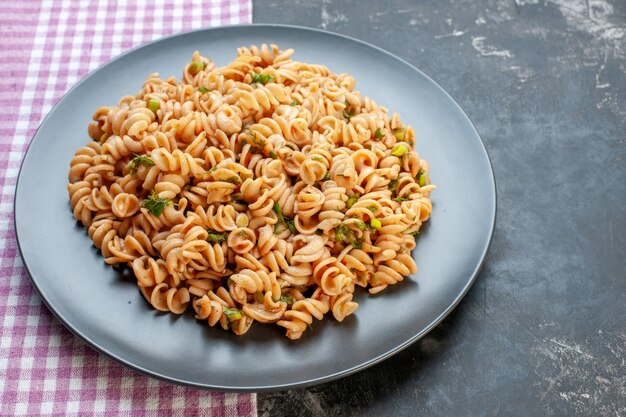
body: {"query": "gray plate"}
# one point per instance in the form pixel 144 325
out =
pixel 108 312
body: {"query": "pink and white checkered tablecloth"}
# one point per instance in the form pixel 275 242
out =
pixel 45 48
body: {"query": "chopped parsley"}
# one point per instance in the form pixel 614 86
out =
pixel 393 184
pixel 345 234
pixel 353 199
pixel 203 90
pixel 233 180
pixel 216 237
pixel 262 79
pixel 256 145
pixel 378 134
pixel 284 221
pixel 286 299
pixel 361 225
pixel 294 103
pixel 140 160
pixel 156 204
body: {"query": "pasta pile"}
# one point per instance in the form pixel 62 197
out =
pixel 265 190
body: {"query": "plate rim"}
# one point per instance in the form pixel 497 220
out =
pixel 271 387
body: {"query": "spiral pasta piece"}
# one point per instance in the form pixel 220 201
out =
pixel 342 306
pixel 165 298
pixel 300 316
pixel 178 161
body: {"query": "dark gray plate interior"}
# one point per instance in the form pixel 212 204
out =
pixel 107 310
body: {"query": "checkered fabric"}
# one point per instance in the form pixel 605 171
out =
pixel 45 48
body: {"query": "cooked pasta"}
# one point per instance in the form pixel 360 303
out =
pixel 263 191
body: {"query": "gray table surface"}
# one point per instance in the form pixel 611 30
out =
pixel 542 331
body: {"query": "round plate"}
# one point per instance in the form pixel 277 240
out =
pixel 107 311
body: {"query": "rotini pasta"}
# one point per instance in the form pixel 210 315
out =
pixel 263 191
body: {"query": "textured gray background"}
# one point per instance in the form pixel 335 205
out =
pixel 542 332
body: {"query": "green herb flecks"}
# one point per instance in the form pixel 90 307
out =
pixel 286 299
pixel 294 103
pixel 140 160
pixel 203 90
pixel 361 225
pixel 347 114
pixel 243 233
pixel 216 237
pixel 261 79
pixel 156 204
pixel 399 133
pixel 273 155
pixel 283 221
pixel 344 234
pixel 353 199
pixel 256 145
pixel 378 134
pixel 232 314
pixel 393 185
pixel 326 177
pixel 233 180
pixel 376 224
